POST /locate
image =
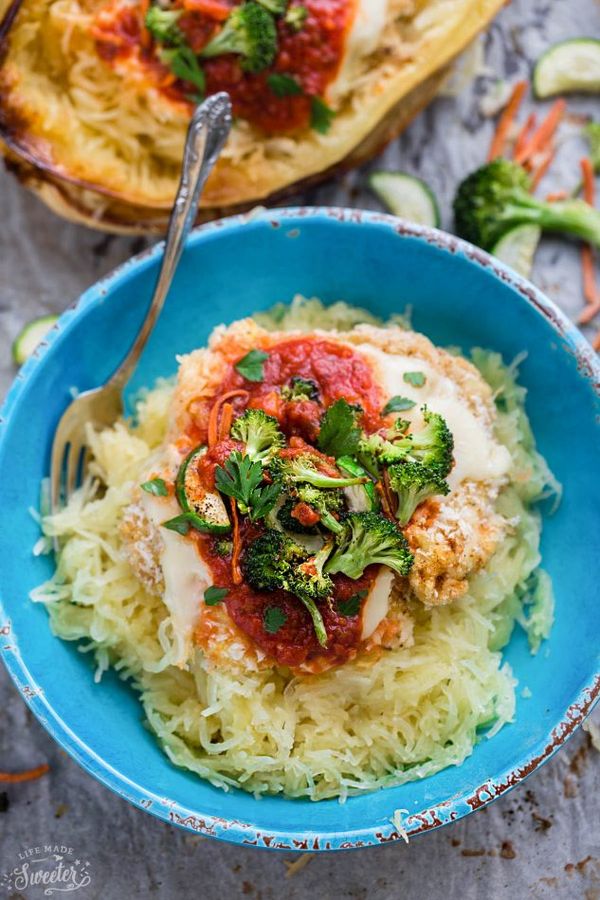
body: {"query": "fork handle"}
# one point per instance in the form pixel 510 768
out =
pixel 206 135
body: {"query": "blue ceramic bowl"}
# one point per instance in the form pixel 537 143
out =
pixel 459 296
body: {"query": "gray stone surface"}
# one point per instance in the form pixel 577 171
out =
pixel 540 841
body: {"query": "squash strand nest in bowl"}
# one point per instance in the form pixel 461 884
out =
pixel 308 554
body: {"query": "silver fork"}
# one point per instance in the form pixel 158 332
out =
pixel 102 406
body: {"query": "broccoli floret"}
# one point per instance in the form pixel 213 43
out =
pixel 432 445
pixel 413 483
pixel 370 538
pixel 249 31
pixel 270 560
pixel 497 197
pixel 274 561
pixel 296 16
pixel 223 548
pixel 277 7
pixel 300 389
pixel 260 433
pixel 162 25
pixel 325 503
pixel 289 522
pixel 302 468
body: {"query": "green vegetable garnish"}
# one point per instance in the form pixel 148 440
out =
pixel 273 619
pixel 340 434
pixel 184 65
pixel 155 486
pixel 295 17
pixel 250 32
pixel 251 366
pixel 260 433
pixel 241 478
pixel 321 115
pixel 397 404
pixel 351 606
pixel 417 379
pixel 181 524
pixel 214 595
pixel 370 538
pixel 283 85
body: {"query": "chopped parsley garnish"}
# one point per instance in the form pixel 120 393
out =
pixel 273 619
pixel 295 17
pixel 339 434
pixel 184 64
pixel 214 595
pixel 283 85
pixel 320 115
pixel 417 379
pixel 251 366
pixel 155 486
pixel 351 606
pixel 397 404
pixel 181 524
pixel 241 478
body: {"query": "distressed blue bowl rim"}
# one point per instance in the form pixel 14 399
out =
pixel 244 832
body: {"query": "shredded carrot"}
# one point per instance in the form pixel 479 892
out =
pixel 554 196
pixel 525 133
pixel 596 341
pixel 587 172
pixel 213 418
pixel 498 145
pixel 590 288
pixel 545 163
pixel 28 775
pixel 542 137
pixel 213 9
pixel 145 38
pixel 226 420
pixel 236 574
pixel 590 311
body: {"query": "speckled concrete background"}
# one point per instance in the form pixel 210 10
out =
pixel 540 841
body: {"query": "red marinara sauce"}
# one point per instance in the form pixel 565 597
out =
pixel 311 55
pixel 337 371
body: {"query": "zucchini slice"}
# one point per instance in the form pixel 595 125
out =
pixel 517 248
pixel 359 497
pixel 205 509
pixel 406 196
pixel 567 67
pixel 30 336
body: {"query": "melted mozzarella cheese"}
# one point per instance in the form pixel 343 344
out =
pixel 362 39
pixel 376 605
pixel 185 574
pixel 478 456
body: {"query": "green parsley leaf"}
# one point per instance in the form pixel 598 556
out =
pixel 251 366
pixel 273 619
pixel 214 595
pixel 241 478
pixel 162 25
pixel 295 17
pixel 417 379
pixel 320 115
pixel 283 85
pixel 184 64
pixel 339 434
pixel 181 524
pixel 155 486
pixel 397 404
pixel 351 606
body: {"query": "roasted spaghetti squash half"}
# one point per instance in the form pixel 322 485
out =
pixel 95 95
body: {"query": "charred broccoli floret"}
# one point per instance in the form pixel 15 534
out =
pixel 303 468
pixel 162 25
pixel 413 483
pixel 260 433
pixel 325 503
pixel 432 445
pixel 369 538
pixel 274 561
pixel 289 522
pixel 250 32
pixel 300 389
pixel 497 197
